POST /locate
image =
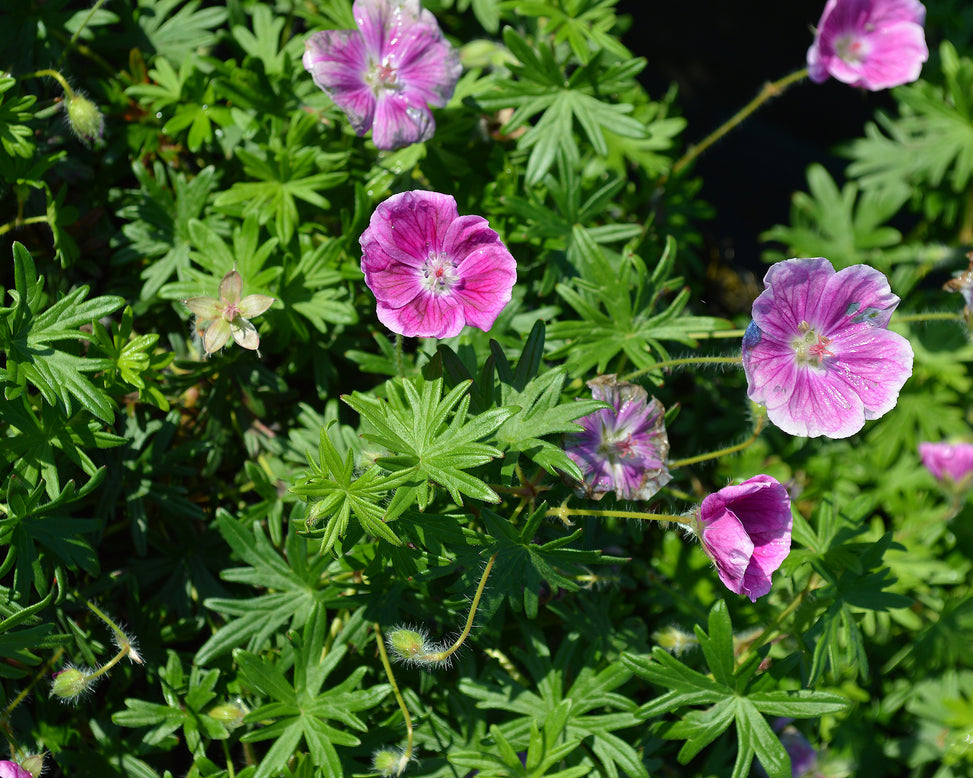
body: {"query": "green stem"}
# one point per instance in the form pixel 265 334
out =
pixel 774 626
pixel 673 464
pixel 395 691
pixel 562 512
pixel 399 362
pixel 941 316
pixel 769 90
pixel 68 91
pixel 685 361
pixel 443 655
pixel 230 772
pixel 5 228
pixel 717 334
pixel 78 32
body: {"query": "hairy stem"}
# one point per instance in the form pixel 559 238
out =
pixel 443 655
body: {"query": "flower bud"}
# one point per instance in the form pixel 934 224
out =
pixel 85 119
pixel 390 761
pixel 408 645
pixel 674 640
pixel 230 714
pixel 70 683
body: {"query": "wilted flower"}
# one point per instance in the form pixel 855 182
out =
pixel 746 531
pixel 10 769
pixel 949 462
pixel 817 353
pixel 387 73
pixel 218 319
pixel 433 271
pixel 622 448
pixel 874 44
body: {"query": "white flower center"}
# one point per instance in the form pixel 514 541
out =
pixel 851 49
pixel 810 348
pixel 439 274
pixel 383 76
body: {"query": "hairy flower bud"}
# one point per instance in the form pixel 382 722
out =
pixel 674 640
pixel 390 761
pixel 408 645
pixel 70 683
pixel 230 714
pixel 85 119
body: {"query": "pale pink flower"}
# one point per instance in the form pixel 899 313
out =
pixel 817 353
pixel 387 73
pixel 433 271
pixel 746 531
pixel 217 320
pixel 622 449
pixel 875 44
pixel 949 462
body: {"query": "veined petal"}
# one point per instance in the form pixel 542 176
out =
pixel 204 307
pixel 231 287
pixel 245 334
pixel 254 304
pixel 729 547
pixel 338 62
pixel 216 335
pixel 427 65
pixel 400 120
pixel 426 316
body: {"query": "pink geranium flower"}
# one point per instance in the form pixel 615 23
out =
pixel 746 531
pixel 623 448
pixel 10 769
pixel 433 271
pixel 817 353
pixel 950 462
pixel 387 73
pixel 875 44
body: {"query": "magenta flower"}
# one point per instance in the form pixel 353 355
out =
pixel 623 448
pixel 433 271
pixel 817 353
pixel 387 73
pixel 10 769
pixel 746 531
pixel 874 44
pixel 949 462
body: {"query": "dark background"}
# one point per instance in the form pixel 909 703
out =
pixel 720 53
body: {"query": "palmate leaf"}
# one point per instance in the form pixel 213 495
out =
pixel 297 589
pixel 733 698
pixel 571 700
pixel 623 310
pixel 523 566
pixel 543 87
pixel 302 710
pixel 340 493
pixel 428 447
pixel 28 336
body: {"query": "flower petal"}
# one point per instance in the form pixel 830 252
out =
pixel 231 287
pixel 338 62
pixel 204 307
pixel 427 316
pixel 401 119
pixel 245 334
pixel 216 335
pixel 254 304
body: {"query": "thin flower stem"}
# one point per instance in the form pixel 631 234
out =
pixel 5 228
pixel 673 464
pixel 774 627
pixel 68 91
pixel 92 12
pixel 769 90
pixel 122 637
pixel 399 362
pixel 562 512
pixel 443 655
pixel 717 334
pixel 230 772
pixel 686 361
pixel 395 691
pixel 45 669
pixel 931 316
